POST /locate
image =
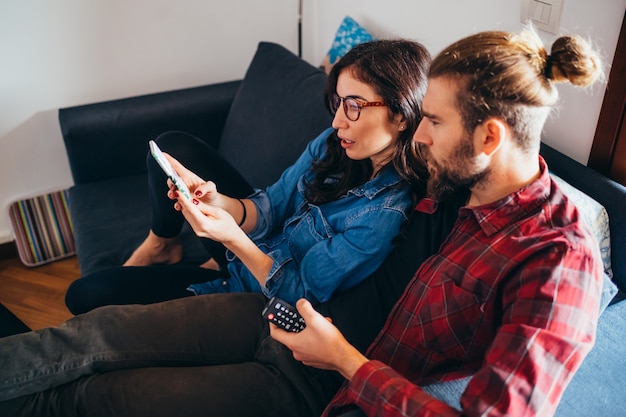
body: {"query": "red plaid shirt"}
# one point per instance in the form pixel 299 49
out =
pixel 512 298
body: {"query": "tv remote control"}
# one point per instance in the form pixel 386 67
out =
pixel 283 315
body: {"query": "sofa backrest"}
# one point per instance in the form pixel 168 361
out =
pixel 110 139
pixel 278 109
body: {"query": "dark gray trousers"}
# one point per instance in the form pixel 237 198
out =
pixel 206 356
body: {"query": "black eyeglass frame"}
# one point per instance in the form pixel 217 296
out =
pixel 334 100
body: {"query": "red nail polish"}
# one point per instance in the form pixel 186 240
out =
pixel 196 202
pixel 198 193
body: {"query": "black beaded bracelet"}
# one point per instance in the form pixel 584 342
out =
pixel 243 219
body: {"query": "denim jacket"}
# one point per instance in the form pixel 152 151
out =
pixel 318 249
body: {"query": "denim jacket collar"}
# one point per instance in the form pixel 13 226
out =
pixel 386 178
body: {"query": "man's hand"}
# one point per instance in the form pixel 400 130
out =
pixel 320 344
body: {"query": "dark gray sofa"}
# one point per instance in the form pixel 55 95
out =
pixel 260 124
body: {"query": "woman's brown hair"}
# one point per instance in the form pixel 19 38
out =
pixel 397 70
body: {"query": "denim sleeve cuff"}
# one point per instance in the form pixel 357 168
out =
pixel 276 273
pixel 263 209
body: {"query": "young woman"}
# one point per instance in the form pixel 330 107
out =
pixel 225 334
pixel 325 225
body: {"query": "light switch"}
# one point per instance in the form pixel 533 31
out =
pixel 544 14
pixel 534 10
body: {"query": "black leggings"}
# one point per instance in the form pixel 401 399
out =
pixel 151 284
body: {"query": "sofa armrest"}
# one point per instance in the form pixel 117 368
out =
pixel 10 324
pixel 109 139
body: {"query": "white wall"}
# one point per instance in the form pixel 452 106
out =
pixel 59 53
pixel 437 23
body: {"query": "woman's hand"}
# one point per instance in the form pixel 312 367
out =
pixel 206 191
pixel 206 220
pixel 218 224
pixel 212 215
pixel 320 344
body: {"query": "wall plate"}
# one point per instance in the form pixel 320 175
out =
pixel 544 14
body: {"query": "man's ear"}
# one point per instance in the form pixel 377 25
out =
pixel 493 132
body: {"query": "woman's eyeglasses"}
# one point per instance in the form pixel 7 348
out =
pixel 351 106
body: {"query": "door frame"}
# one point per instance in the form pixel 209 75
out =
pixel 611 119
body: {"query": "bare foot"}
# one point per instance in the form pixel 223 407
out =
pixel 156 250
pixel 211 264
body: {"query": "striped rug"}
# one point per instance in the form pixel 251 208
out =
pixel 43 228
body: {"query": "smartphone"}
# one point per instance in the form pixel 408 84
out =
pixel 167 168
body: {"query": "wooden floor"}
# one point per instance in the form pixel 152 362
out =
pixel 37 295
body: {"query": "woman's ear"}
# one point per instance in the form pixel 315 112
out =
pixel 400 121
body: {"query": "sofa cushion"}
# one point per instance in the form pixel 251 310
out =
pixel 597 219
pixel 278 109
pixel 605 191
pixel 348 35
pixel 108 229
pixel 594 390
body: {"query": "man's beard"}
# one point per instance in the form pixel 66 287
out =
pixel 459 172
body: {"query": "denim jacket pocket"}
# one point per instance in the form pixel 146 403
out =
pixel 308 230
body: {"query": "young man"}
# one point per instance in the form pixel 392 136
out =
pixel 512 296
pixel 509 298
